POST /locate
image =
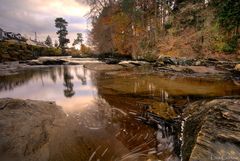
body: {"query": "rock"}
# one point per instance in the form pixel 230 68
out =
pixel 126 64
pixel 46 62
pixel 111 61
pixel 195 69
pixel 26 127
pixel 49 61
pixel 34 62
pixel 54 62
pixel 159 64
pixel 185 62
pixel 237 68
pixel 212 59
pixel 133 63
pixel 212 130
pixel 167 60
pixel 198 63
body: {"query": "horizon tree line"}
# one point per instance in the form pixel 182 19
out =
pixel 62 33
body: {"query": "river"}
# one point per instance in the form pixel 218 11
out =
pixel 131 114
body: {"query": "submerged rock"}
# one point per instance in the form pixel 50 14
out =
pixel 212 130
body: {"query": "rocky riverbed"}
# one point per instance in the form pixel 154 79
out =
pixel 209 112
pixel 211 130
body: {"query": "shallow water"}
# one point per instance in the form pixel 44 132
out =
pixel 111 116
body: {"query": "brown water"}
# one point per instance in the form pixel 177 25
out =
pixel 112 116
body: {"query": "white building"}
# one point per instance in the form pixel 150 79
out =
pixel 2 34
pixel 10 36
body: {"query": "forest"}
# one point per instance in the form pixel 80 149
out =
pixel 181 28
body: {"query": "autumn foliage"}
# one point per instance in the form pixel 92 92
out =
pixel 146 29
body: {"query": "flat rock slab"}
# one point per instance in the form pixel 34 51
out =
pixel 26 127
pixel 212 130
pixel 196 69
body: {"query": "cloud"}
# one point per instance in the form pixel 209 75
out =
pixel 29 16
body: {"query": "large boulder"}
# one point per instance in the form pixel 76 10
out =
pixel 212 130
pixel 26 128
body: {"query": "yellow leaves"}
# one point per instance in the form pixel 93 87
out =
pixel 85 49
pixel 121 21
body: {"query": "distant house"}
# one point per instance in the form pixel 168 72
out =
pixel 18 36
pixel 2 34
pixel 10 36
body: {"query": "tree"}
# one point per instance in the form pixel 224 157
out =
pixel 85 49
pixel 62 33
pixel 56 44
pixel 228 14
pixel 48 41
pixel 79 39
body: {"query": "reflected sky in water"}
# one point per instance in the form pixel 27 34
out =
pixel 71 87
pixel 113 113
pixel 110 129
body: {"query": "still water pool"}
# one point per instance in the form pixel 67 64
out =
pixel 123 115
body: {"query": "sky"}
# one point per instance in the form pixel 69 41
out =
pixel 29 16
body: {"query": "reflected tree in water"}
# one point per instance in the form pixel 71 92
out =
pixel 68 91
pixel 53 75
pixel 81 77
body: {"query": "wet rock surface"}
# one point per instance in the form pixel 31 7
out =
pixel 191 66
pixel 212 130
pixel 26 128
pixel 237 67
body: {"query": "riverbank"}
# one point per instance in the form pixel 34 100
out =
pixel 20 51
pixel 172 91
pixel 188 67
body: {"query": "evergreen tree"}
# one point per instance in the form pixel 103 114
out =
pixel 56 44
pixel 62 33
pixel 79 39
pixel 48 41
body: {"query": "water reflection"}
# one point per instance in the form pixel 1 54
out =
pixel 113 117
pixel 42 77
pixel 68 91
